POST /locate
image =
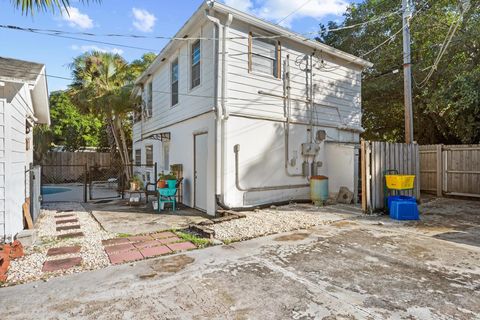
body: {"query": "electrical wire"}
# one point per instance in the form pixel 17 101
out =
pixel 448 38
pixel 293 12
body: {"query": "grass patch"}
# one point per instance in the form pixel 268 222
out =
pixel 123 235
pixel 199 242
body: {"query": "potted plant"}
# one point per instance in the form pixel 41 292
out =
pixel 162 180
pixel 171 180
pixel 136 183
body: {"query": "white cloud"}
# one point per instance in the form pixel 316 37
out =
pixel 143 20
pixel 276 10
pixel 86 48
pixel 77 19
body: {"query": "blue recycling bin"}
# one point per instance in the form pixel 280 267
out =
pixel 403 208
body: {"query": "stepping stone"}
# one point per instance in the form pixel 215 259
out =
pixel 68 228
pixel 169 240
pixel 155 251
pixel 125 256
pixel 181 246
pixel 110 242
pixel 70 235
pixel 63 250
pixel 66 210
pixel 64 216
pixel 161 235
pixel 139 238
pixel 66 221
pixel 61 264
pixel 147 244
pixel 119 248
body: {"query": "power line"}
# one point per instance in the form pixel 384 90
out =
pixel 448 38
pixel 294 11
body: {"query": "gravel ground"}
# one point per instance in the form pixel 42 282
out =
pixel 29 267
pixel 280 219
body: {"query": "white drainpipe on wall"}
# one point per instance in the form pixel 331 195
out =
pixel 221 109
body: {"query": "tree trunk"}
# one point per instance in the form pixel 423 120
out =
pixel 119 144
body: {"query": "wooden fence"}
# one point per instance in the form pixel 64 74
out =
pixel 70 166
pixel 450 169
pixel 377 157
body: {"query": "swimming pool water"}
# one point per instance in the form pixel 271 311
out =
pixel 53 190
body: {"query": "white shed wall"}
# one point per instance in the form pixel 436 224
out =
pixel 182 152
pixel 16 158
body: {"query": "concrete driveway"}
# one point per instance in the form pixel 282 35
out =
pixel 351 269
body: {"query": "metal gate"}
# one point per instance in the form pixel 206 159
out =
pixel 110 182
pixel 64 182
pixel 35 191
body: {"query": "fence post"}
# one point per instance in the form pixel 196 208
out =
pixel 85 182
pixel 439 170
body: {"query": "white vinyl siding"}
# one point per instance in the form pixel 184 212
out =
pixel 337 87
pixel 195 64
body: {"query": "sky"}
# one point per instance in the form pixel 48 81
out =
pixel 140 17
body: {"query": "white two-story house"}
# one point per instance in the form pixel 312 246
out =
pixel 250 110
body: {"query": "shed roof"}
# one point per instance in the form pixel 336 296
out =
pixel 33 75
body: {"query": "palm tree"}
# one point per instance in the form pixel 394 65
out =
pixel 102 84
pixel 30 6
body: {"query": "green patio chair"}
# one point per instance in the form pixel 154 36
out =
pixel 168 195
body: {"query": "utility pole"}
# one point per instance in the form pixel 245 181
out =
pixel 407 71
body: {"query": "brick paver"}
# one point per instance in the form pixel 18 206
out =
pixel 110 242
pixel 125 256
pixel 63 250
pixel 66 221
pixel 181 246
pixel 64 228
pixel 139 238
pixel 169 240
pixel 154 251
pixel 64 216
pixel 161 235
pixel 147 244
pixel 70 235
pixel 61 264
pixel 119 248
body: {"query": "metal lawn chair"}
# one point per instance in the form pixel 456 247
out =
pixel 168 195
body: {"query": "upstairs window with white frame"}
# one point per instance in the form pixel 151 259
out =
pixel 174 80
pixel 195 64
pixel 149 106
pixel 138 157
pixel 264 55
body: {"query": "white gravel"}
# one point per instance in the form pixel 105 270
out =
pixel 280 219
pixel 29 267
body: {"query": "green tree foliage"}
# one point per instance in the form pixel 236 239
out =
pixel 32 6
pixel 71 128
pixel 447 107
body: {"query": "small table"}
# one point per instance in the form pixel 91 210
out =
pixel 134 192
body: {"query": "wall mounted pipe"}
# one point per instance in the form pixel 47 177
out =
pixel 236 149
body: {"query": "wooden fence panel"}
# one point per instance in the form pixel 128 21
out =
pixel 70 166
pixel 382 156
pixel 451 169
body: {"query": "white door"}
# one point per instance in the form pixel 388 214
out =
pixel 200 183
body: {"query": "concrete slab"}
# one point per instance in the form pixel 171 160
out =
pixel 118 218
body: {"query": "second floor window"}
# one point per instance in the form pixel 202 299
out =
pixel 149 155
pixel 149 99
pixel 195 64
pixel 264 55
pixel 138 157
pixel 174 80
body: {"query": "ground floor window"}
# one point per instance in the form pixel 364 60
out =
pixel 138 157
pixel 149 155
pixel 166 155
